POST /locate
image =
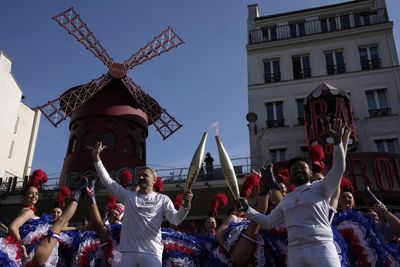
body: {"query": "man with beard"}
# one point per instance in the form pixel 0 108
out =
pixel 140 243
pixel 304 212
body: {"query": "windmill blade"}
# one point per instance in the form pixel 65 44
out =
pixel 165 124
pixel 74 25
pixel 60 108
pixel 162 43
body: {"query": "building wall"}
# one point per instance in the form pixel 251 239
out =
pixel 19 126
pixel 291 135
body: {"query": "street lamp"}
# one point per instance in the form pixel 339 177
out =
pixel 251 117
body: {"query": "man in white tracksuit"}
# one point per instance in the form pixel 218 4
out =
pixel 140 243
pixel 304 212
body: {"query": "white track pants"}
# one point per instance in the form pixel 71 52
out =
pixel 324 254
pixel 139 259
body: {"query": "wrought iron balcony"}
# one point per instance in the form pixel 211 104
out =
pixel 272 77
pixel 371 64
pixel 302 74
pixel 336 69
pixel 275 123
pixel 382 112
pixel 320 26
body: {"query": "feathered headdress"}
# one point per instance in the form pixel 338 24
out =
pixel 252 180
pixel 346 185
pixel 317 156
pixel 63 193
pixel 125 178
pixel 283 176
pixel 178 201
pixel 158 185
pixel 113 205
pixel 37 179
pixel 218 199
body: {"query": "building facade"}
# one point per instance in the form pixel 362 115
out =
pixel 19 126
pixel 348 45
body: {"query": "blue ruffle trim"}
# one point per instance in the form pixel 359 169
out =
pixel 5 261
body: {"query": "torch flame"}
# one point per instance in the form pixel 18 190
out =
pixel 215 125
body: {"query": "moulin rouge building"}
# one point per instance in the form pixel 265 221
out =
pixel 350 46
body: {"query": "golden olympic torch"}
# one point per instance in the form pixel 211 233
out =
pixel 195 164
pixel 227 169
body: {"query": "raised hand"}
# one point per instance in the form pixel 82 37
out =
pixel 337 130
pixel 268 180
pixel 97 150
pixel 345 138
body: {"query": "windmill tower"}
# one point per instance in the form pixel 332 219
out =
pixel 110 108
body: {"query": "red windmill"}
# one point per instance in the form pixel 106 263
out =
pixel 111 108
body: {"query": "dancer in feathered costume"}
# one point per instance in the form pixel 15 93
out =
pixel 365 240
pixel 207 239
pixel 98 247
pixel 240 242
pixel 38 236
pixel 28 229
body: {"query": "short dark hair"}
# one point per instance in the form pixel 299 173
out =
pixel 149 168
pixel 297 159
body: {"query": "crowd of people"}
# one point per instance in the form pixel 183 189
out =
pixel 302 215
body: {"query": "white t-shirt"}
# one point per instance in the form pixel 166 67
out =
pixel 141 228
pixel 304 212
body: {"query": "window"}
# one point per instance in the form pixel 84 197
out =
pixel 272 72
pixel 269 33
pixel 129 145
pixel 109 141
pixel 335 62
pixel 72 144
pixel 328 24
pixel 345 22
pixel 304 151
pixel 369 57
pixel 274 114
pixel 377 103
pixel 301 67
pixel 297 29
pixel 386 145
pixel 277 154
pixel 300 110
pixel 88 140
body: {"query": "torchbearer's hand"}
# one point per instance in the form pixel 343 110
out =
pixel 336 130
pixel 187 198
pixel 97 150
pixel 241 205
pixel 346 137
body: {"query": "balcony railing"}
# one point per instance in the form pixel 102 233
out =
pixel 336 69
pixel 272 77
pixel 16 185
pixel 371 64
pixel 276 33
pixel 382 112
pixel 275 123
pixel 302 74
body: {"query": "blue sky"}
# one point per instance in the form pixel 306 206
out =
pixel 201 82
